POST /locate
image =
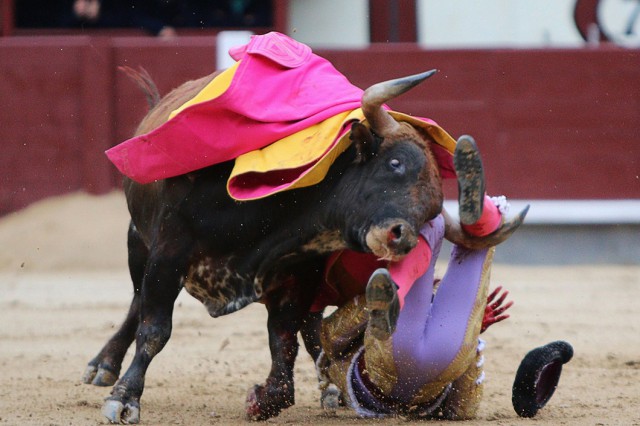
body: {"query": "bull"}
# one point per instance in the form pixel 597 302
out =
pixel 186 232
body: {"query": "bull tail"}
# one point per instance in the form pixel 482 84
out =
pixel 144 81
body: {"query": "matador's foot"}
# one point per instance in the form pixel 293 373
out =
pixel 382 303
pixel 470 173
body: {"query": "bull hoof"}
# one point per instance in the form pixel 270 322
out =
pixel 253 408
pixel 89 374
pixel 119 413
pixel 538 376
pixel 260 405
pixel 99 376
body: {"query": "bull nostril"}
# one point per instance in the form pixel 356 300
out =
pixel 395 233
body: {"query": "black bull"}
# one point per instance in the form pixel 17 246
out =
pixel 187 232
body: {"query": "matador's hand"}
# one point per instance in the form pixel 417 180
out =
pixel 494 312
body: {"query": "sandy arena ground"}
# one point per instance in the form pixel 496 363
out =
pixel 64 288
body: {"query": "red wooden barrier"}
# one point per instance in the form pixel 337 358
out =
pixel 552 124
pixel 6 17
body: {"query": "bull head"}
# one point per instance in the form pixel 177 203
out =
pixel 404 165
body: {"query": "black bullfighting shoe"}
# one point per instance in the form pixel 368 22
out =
pixel 468 165
pixel 538 376
pixel 382 303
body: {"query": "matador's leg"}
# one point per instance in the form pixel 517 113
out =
pixel 436 338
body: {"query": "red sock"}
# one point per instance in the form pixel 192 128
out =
pixel 406 271
pixel 488 222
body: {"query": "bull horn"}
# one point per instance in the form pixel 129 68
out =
pixel 375 96
pixel 454 233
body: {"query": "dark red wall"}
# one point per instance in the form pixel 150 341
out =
pixel 64 103
pixel 551 124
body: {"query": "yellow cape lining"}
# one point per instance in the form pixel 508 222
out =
pixel 313 146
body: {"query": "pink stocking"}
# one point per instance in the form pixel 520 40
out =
pixel 488 222
pixel 406 271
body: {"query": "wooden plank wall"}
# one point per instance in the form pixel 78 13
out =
pixel 65 103
pixel 7 9
pixel 551 124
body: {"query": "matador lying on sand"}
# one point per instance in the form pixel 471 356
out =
pixel 408 344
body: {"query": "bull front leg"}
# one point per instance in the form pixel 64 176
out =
pixel 270 398
pixel 287 307
pixel 160 288
pixel 104 368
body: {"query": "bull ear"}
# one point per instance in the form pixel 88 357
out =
pixel 365 142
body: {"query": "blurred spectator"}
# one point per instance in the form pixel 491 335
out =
pixel 230 13
pixel 157 17
pixel 152 16
pixel 39 13
pixel 87 10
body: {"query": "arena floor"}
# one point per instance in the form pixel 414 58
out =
pixel 64 289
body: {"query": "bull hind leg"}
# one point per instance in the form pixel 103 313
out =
pixel 160 288
pixel 104 368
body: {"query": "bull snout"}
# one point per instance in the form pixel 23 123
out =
pixel 391 240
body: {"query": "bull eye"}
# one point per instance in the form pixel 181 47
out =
pixel 396 165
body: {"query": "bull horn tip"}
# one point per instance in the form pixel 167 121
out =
pixel 429 73
pixel 419 78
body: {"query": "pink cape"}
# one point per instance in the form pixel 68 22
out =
pixel 279 88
